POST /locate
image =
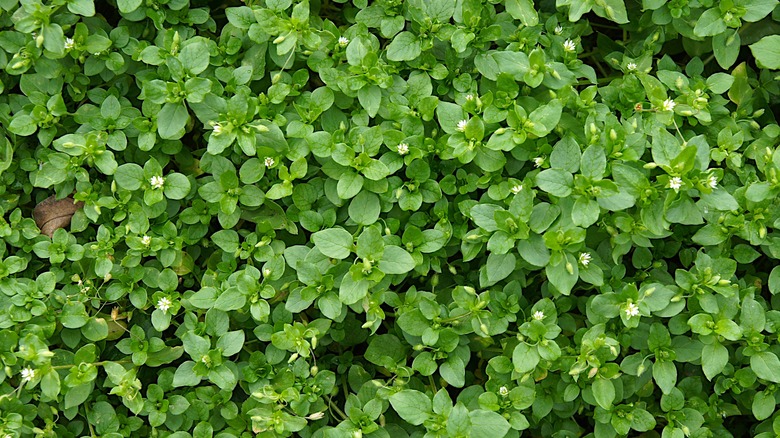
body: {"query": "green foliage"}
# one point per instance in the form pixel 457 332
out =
pixel 388 219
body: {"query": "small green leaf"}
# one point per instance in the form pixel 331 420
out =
pixel 336 243
pixel 413 406
pixel 405 47
pixel 767 51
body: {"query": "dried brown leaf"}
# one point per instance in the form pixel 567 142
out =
pixel 52 213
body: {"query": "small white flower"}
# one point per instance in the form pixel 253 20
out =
pixel 462 125
pixel 504 391
pixel 569 46
pixel 558 29
pixel 631 66
pixel 585 258
pixel 266 272
pixel 632 310
pixel 316 416
pixel 157 182
pixel 217 128
pixel 164 304
pixel 469 97
pixel 69 43
pixel 712 181
pixel 96 53
pixel 517 189
pixel 538 315
pixel 343 41
pixel 675 183
pixel 269 162
pixel 402 149
pixel 669 105
pixel 146 240
pixel 28 374
pixel 538 161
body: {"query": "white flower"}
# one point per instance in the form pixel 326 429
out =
pixel 469 97
pixel 269 162
pixel 558 29
pixel 402 149
pixel 569 46
pixel 266 272
pixel 146 240
pixel 316 416
pixel 669 105
pixel 538 315
pixel 217 128
pixel 462 125
pixel 538 161
pixel 28 374
pixel 504 391
pixel 675 183
pixel 517 188
pixel 631 66
pixel 585 258
pixel 69 43
pixel 157 182
pixel 631 310
pixel 712 181
pixel 164 304
pixel 343 41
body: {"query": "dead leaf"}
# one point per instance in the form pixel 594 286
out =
pixel 52 213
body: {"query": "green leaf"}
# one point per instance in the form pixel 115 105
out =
pixel 171 121
pixel 594 162
pixel 766 365
pixel 336 243
pixel 405 47
pixel 370 98
pixel 127 6
pixel 603 392
pixel 665 375
pixel 525 358
pixel 767 52
pixel 764 405
pixel 487 424
pixel 555 182
pixel 129 176
pixel 710 23
pixel 714 358
pixel 774 280
pixel 413 406
pixel 185 375
pixel 524 11
pixel 231 342
pixel 396 261
pixel 177 186
pixel 351 291
pixel 349 185
pixel 194 56
pixel 23 124
pixel 498 267
pixel 230 299
pixel 726 47
pixel 364 208
pixel 85 8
